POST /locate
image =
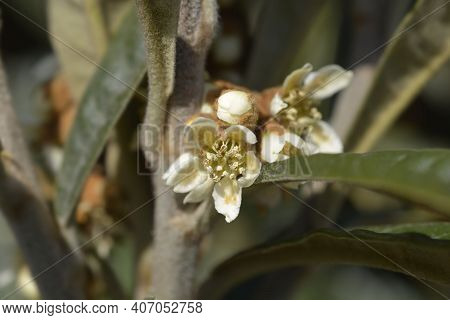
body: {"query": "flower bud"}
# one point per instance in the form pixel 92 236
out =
pixel 237 107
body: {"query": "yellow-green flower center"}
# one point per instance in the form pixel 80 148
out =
pixel 301 112
pixel 225 158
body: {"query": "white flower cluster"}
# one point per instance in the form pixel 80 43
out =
pixel 223 159
pixel 294 108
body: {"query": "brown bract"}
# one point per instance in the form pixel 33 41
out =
pixel 264 100
pixel 92 197
pixel 274 127
pixel 63 105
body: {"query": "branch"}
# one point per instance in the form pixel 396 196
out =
pixel 13 144
pixel 159 20
pixel 21 202
pixel 40 240
pixel 178 227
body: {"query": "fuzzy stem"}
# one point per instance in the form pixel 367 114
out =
pixel 178 227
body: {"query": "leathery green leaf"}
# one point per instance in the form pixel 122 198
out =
pixel 105 99
pixel 419 176
pixel 434 230
pixel 413 254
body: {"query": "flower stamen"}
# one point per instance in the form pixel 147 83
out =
pixel 225 158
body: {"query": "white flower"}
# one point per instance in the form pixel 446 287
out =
pixel 303 85
pixel 232 105
pixel 277 104
pixel 221 162
pixel 278 146
pixel 323 139
pixel 295 109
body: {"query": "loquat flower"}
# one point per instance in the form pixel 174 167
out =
pixel 279 143
pixel 221 162
pixel 295 104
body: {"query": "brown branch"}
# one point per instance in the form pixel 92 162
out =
pixel 178 227
pixel 40 241
pixel 13 145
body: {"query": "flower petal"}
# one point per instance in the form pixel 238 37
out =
pixel 277 104
pixel 271 145
pixel 180 175
pixel 295 78
pixel 235 102
pixel 201 131
pixel 253 169
pixel 183 161
pixel 327 81
pixel 325 138
pixel 200 192
pixel 227 117
pixel 227 196
pixel 241 134
pixel 232 105
pixel 190 181
pixel 293 146
pixel 293 139
pixel 202 121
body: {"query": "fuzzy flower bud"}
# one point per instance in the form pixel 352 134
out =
pixel 237 107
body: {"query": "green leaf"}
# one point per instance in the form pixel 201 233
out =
pixel 87 34
pixel 420 46
pixel 412 254
pixel 420 176
pixel 434 230
pixel 105 98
